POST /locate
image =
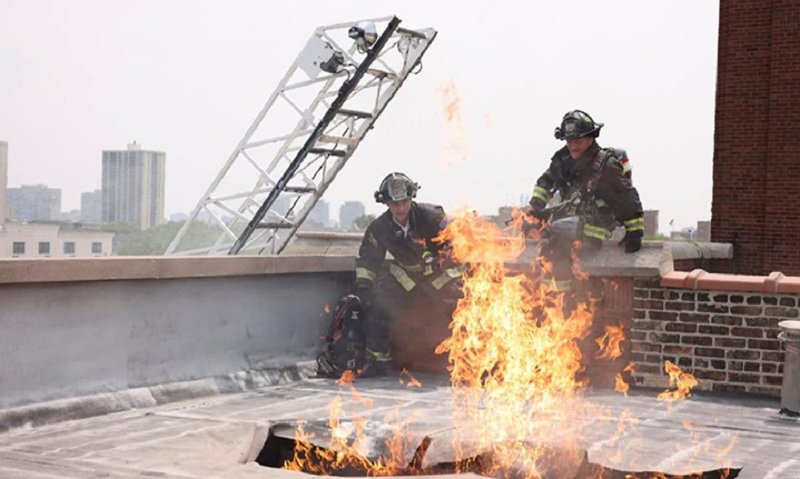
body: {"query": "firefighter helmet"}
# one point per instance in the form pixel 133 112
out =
pixel 577 124
pixel 395 187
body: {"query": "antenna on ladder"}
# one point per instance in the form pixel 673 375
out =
pixel 309 127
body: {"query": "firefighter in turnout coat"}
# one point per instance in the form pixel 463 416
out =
pixel 602 178
pixel 418 274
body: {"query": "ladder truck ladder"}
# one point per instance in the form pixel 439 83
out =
pixel 309 127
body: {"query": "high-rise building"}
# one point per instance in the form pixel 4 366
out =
pixel 92 206
pixel 3 181
pixel 34 203
pixel 133 186
pixel 320 213
pixel 348 212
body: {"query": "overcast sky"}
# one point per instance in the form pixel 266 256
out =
pixel 187 77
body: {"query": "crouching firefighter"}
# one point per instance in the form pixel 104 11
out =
pixel 594 184
pixel 419 277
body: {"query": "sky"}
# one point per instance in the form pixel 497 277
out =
pixel 187 77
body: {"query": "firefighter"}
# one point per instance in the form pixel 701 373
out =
pixel 602 178
pixel 419 275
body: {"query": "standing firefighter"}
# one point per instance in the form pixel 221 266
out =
pixel 595 183
pixel 418 277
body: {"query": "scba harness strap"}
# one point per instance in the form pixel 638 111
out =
pixel 598 165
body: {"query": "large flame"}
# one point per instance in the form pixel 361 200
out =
pixel 513 353
pixel 515 368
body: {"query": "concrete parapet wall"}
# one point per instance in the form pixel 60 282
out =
pixel 17 270
pixel 137 322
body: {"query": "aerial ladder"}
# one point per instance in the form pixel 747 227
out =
pixel 312 123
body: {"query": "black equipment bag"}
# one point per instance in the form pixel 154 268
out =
pixel 345 345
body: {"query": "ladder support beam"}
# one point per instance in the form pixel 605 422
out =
pixel 330 124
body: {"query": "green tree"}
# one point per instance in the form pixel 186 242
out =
pixel 361 223
pixel 154 241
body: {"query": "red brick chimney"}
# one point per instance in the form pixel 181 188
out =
pixel 756 194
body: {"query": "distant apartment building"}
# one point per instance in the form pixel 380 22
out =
pixel 92 206
pixel 348 212
pixel 43 240
pixel 650 223
pixel 320 213
pixel 133 186
pixel 704 231
pixel 34 203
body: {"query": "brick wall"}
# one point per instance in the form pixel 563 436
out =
pixel 728 340
pixel 756 147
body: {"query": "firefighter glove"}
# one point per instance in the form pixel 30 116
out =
pixel 632 241
pixel 537 209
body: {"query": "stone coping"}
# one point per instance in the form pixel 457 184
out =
pixel 317 252
pixel 775 283
pixel 22 270
pixel 699 250
pixel 330 255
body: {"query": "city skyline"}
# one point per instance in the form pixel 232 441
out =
pixel 321 213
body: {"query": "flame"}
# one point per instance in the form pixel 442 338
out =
pixel 681 381
pixel 577 272
pixel 456 148
pixel 619 382
pixel 514 367
pixel 620 385
pixel 349 438
pixel 625 422
pixel 610 343
pixel 409 380
pixel 327 309
pixel 513 354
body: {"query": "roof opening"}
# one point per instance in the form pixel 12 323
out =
pixel 282 450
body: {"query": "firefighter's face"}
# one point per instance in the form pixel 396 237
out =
pixel 578 146
pixel 400 210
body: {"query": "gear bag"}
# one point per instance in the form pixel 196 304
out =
pixel 345 344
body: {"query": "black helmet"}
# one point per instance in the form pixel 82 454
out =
pixel 395 187
pixel 577 124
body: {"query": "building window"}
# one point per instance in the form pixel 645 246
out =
pixel 69 247
pixel 44 247
pixel 97 247
pixel 18 247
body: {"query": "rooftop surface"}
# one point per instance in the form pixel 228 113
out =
pixel 221 435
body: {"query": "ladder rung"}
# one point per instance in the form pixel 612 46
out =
pixel 381 74
pixel 413 33
pixel 299 189
pixel 325 151
pixel 355 113
pixel 338 139
pixel 281 225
